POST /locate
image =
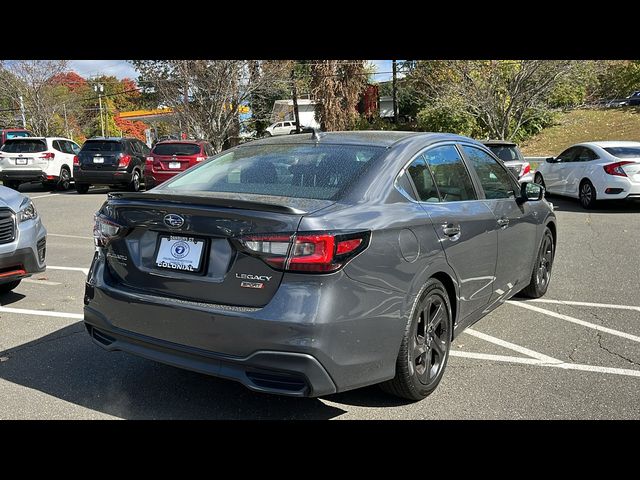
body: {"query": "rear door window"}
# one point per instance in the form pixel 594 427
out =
pixel 24 145
pixel 450 174
pixel 423 180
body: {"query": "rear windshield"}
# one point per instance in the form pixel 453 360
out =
pixel 176 149
pixel 102 146
pixel 505 153
pixel 320 172
pixel 624 152
pixel 20 145
pixel 17 134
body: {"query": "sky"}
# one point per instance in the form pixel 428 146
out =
pixel 121 68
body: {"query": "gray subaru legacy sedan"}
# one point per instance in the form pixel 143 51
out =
pixel 310 264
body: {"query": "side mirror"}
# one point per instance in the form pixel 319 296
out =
pixel 531 192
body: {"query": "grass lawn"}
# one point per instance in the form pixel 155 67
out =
pixel 583 126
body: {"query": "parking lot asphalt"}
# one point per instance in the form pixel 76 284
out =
pixel 573 355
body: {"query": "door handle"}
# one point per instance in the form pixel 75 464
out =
pixel 450 230
pixel 503 222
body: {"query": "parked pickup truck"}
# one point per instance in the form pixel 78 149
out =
pixel 522 167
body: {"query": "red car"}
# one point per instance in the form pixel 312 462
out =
pixel 171 157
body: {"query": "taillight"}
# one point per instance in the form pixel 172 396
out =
pixel 76 161
pixel 526 168
pixel 105 230
pixel 124 161
pixel 149 161
pixel 48 156
pixel 200 159
pixel 616 168
pixel 308 251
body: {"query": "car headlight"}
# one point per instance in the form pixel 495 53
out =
pixel 28 213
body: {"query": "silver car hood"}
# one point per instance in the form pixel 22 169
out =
pixel 12 199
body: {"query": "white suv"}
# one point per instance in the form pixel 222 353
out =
pixel 41 159
pixel 280 128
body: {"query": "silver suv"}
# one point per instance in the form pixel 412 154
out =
pixel 23 239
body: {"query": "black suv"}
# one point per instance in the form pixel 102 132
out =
pixel 113 161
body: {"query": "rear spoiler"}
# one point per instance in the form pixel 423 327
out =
pixel 206 200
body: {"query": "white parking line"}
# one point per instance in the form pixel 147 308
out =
pixel 577 321
pixel 512 346
pixel 42 313
pixel 531 361
pixel 43 196
pixel 73 269
pixel 40 282
pixel 68 236
pixel 587 304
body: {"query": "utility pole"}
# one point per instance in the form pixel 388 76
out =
pixel 395 92
pixel 294 89
pixel 99 88
pixel 24 119
pixel 66 125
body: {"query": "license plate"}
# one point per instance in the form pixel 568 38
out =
pixel 180 253
pixel 175 164
pixel 98 159
pixel 22 161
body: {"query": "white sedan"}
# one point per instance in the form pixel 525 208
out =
pixel 593 171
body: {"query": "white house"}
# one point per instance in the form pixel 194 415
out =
pixel 283 110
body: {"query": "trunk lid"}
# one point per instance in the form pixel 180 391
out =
pixel 632 170
pixel 173 163
pixel 100 155
pixel 210 223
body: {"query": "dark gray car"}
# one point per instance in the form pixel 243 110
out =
pixel 311 264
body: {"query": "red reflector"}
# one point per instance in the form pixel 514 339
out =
pixel 13 273
pixel 51 177
pixel 347 246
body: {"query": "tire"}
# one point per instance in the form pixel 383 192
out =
pixel 541 274
pixel 64 182
pixel 587 195
pixel 7 287
pixel 82 188
pixel 426 343
pixel 134 185
pixel 539 180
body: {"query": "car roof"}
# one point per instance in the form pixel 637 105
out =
pixel 113 139
pixel 499 142
pixel 38 138
pixel 181 141
pixel 380 138
pixel 609 143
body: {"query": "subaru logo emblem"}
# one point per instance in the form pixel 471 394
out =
pixel 173 220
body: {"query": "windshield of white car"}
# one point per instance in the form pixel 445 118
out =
pixel 624 152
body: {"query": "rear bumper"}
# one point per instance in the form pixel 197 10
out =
pixel 621 187
pixel 151 179
pixel 284 373
pixel 26 253
pixel 23 175
pixel 315 337
pixel 111 177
